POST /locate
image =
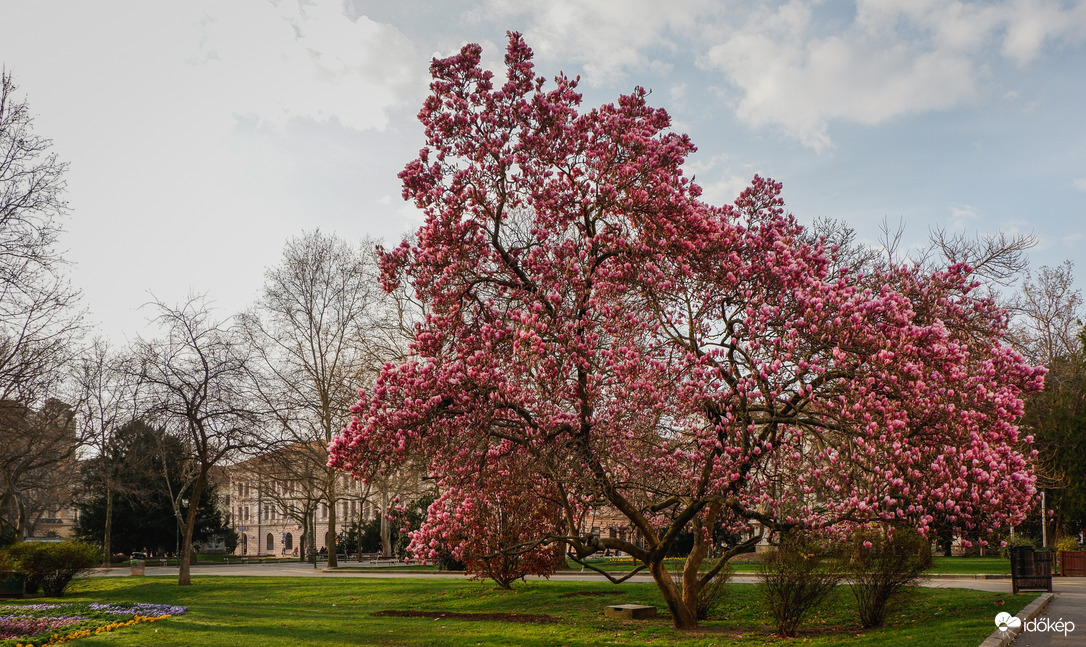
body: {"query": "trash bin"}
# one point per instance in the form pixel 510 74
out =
pixel 137 566
pixel 12 584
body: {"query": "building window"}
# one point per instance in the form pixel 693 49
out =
pixel 271 541
pixel 324 511
pixel 288 541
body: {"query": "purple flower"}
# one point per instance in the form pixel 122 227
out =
pixel 139 609
pixel 18 626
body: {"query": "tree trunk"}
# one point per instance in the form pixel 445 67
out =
pixel 303 545
pixel 20 515
pixel 692 567
pixel 331 534
pixel 684 616
pixel 106 544
pixel 184 560
pixel 386 531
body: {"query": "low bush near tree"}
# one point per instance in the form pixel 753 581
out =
pixel 713 593
pixel 798 575
pixel 882 562
pixel 50 567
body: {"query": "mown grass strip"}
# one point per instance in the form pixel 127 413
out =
pixel 234 611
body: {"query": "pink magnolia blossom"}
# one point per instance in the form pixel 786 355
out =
pixel 681 365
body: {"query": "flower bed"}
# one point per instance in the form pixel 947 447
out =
pixel 36 625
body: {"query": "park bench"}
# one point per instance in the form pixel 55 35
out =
pixel 375 559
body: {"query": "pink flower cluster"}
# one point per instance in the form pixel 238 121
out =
pixel 17 626
pixel 632 349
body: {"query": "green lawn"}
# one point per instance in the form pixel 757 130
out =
pixel 238 611
pixel 956 565
pixel 971 565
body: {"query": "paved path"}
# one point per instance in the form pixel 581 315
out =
pixel 1068 605
pixel 296 569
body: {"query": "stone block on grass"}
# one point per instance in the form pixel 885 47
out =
pixel 630 611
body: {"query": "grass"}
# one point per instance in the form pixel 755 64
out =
pixel 317 611
pixel 940 565
pixel 971 565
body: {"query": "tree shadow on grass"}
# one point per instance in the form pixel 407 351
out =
pixel 453 615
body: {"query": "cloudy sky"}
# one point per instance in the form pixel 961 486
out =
pixel 203 134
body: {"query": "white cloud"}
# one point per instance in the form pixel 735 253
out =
pixel 1079 183
pixel 1030 24
pixel 605 37
pixel 720 182
pixel 962 216
pixel 305 60
pixel 798 69
pixel 202 133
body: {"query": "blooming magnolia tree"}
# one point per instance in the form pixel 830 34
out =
pixel 685 366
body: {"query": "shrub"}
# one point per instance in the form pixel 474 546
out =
pixel 882 562
pixel 1017 540
pixel 51 567
pixel 1067 543
pixel 797 576
pixel 713 593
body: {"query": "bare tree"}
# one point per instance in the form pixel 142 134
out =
pixel 396 487
pixel 998 259
pixel 1048 328
pixel 291 480
pixel 1049 315
pixel 36 462
pixel 195 380
pixel 39 315
pixel 39 320
pixel 323 328
pixel 108 400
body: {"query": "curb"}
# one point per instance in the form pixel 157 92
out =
pixel 1033 609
